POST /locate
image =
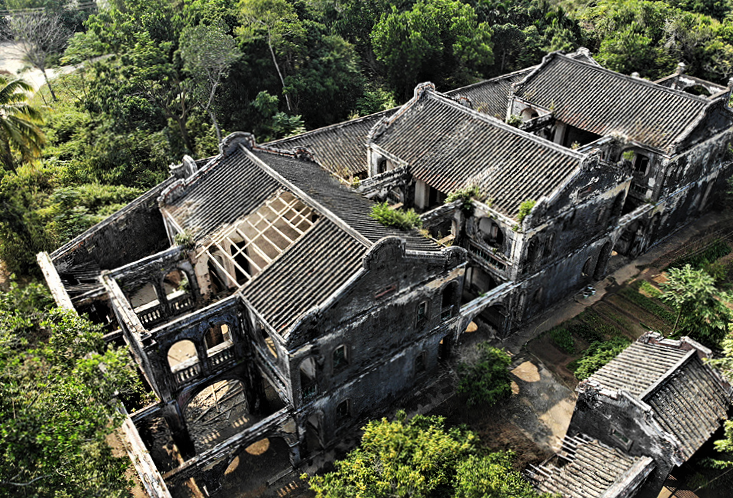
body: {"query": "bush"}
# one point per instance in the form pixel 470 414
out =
pixel 404 220
pixel 598 354
pixel 524 209
pixel 466 195
pixel 487 380
pixel 563 339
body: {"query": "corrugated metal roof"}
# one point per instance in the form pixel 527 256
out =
pixel 603 102
pixel 449 146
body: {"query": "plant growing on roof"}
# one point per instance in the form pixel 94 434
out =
pixel 524 209
pixel 514 120
pixel 184 239
pixel 466 196
pixel 398 218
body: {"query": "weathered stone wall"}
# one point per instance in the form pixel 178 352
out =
pixel 604 418
pixel 131 233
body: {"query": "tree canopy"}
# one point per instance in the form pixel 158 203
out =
pixel 421 458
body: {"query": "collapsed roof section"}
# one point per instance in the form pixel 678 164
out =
pixel 605 102
pixel 587 468
pixel 283 231
pixel 450 146
pixel 686 397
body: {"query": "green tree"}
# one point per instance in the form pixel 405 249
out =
pixel 57 380
pixel 421 458
pixel 437 40
pixel 416 458
pixel 208 52
pixel 701 312
pixel 21 139
pixel 278 23
pixel 492 476
pixel 486 380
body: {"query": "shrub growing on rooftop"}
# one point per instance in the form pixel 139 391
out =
pixel 398 218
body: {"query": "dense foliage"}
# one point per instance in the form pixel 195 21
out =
pixel 486 379
pixel 421 458
pixel 701 311
pixel 57 383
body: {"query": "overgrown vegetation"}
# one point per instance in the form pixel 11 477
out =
pixel 598 354
pixel 524 209
pixel 563 339
pixel 486 380
pixel 57 383
pixel 398 218
pixel 466 196
pixel 703 260
pixel 652 305
pixel 421 458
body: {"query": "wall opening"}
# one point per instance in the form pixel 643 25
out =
pixel 602 261
pixel 449 301
pixel 177 288
pixel 183 361
pixel 491 232
pixel 308 384
pixel 586 271
pixel 340 358
pixel 216 413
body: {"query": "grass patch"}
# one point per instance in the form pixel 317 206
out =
pixel 486 381
pixel 598 354
pixel 563 339
pixel 652 305
pixel 699 260
pixel 648 289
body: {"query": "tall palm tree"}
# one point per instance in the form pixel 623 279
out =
pixel 20 136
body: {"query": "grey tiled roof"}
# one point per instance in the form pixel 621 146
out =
pixel 593 470
pixel 317 263
pixel 305 275
pixel 689 404
pixel 449 146
pixel 223 193
pixel 685 395
pixel 491 97
pixel 352 208
pixel 601 101
pixel 340 148
pixel 637 368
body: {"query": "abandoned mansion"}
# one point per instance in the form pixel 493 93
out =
pixel 263 267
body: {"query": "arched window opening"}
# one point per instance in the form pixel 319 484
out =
pixel 448 301
pixel 340 358
pixel 539 295
pixel 491 232
pixel 585 272
pixel 420 363
pixel 144 298
pixel 641 164
pixel 177 289
pixel 529 113
pixel 618 204
pixel 549 245
pixel 343 411
pixel 308 384
pixel 532 251
pixel 602 260
pixel 183 361
pixel 218 342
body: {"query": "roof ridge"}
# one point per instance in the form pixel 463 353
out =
pixel 491 80
pixel 334 126
pixel 551 56
pixel 511 129
pixel 664 378
pixel 300 193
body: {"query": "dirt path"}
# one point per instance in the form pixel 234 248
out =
pixel 11 62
